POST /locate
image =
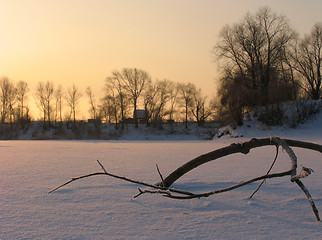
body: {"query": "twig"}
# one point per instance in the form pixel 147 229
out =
pixel 159 173
pixel 269 170
pixel 159 191
pixel 74 179
pixel 102 166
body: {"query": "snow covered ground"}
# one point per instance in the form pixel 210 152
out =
pixel 102 207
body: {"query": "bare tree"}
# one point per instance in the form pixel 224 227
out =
pixel 114 88
pixel 94 109
pixel 173 99
pixel 150 98
pixel 164 90
pixel 308 55
pixel 44 97
pixel 72 98
pixel 156 96
pixel 59 103
pixel 7 95
pixel 252 50
pixel 22 90
pixel 199 108
pixel 135 80
pixel 186 93
pixel 109 110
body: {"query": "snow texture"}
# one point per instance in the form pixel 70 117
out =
pixel 102 208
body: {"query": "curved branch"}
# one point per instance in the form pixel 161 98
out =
pixel 234 148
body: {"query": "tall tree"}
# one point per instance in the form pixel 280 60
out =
pixel 308 57
pixel 59 103
pixel 150 99
pixel 109 110
pixel 72 98
pixel 114 88
pixel 22 90
pixel 164 89
pixel 93 106
pixel 186 93
pixel 135 81
pixel 7 96
pixel 173 99
pixel 199 108
pixel 44 95
pixel 252 50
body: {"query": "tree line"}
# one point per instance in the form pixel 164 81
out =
pixel 125 91
pixel 262 61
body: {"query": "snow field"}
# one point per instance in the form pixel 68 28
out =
pixel 102 208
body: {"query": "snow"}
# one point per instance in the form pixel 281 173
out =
pixel 102 207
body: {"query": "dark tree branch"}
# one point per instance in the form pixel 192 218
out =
pixel 159 173
pixel 74 179
pixel 238 148
pixel 269 170
pixel 308 195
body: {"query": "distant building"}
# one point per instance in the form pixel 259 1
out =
pixel 91 120
pixel 140 115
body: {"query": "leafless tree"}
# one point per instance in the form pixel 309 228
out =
pixel 22 91
pixel 114 88
pixel 94 109
pixel 251 49
pixel 156 97
pixel 164 89
pixel 135 81
pixel 150 99
pixel 108 110
pixel 59 103
pixel 8 95
pixel 72 98
pixel 44 97
pixel 308 55
pixel 173 99
pixel 200 110
pixel 186 92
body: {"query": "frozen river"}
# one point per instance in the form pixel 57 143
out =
pixel 102 207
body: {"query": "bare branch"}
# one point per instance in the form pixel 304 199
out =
pixel 308 195
pixel 101 166
pixel 269 170
pixel 240 148
pixel 207 194
pixel 159 173
pixel 74 179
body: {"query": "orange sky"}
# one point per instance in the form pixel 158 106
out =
pixel 81 41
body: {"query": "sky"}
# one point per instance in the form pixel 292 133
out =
pixel 82 41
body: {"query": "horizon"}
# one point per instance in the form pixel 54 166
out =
pixel 82 42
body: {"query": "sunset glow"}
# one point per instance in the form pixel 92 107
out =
pixel 80 42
